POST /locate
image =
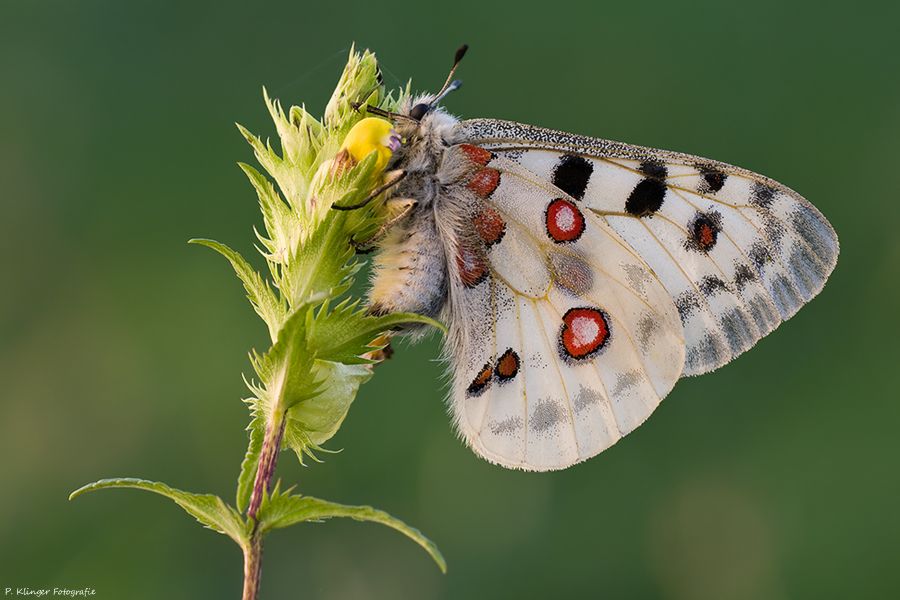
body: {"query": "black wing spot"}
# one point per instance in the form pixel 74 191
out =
pixel 762 195
pixel 759 255
pixel 687 303
pixel 572 174
pixel 646 198
pixel 711 285
pixel 773 228
pixel 743 275
pixel 703 231
pixel 654 169
pixel 713 179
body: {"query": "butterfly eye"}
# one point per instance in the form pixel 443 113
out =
pixel 418 111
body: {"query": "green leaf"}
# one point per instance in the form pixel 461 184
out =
pixel 250 463
pixel 355 85
pixel 261 296
pixel 317 419
pixel 346 332
pixel 282 225
pixel 210 510
pixel 284 510
pixel 286 368
pixel 322 266
pixel 353 187
pixel 293 179
pixel 298 134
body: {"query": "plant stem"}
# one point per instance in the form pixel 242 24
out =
pixel 252 567
pixel 268 458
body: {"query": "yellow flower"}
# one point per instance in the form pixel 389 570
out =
pixel 371 134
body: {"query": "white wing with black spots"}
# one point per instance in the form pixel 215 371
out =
pixel 737 252
pixel 562 339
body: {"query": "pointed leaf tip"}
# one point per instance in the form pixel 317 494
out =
pixel 285 510
pixel 208 509
pixel 267 305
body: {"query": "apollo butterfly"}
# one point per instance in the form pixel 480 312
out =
pixel 580 278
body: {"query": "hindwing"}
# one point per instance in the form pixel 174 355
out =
pixel 562 338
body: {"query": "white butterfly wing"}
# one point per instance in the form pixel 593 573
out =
pixel 562 339
pixel 737 252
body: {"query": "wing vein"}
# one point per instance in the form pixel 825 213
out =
pixel 524 387
pixel 562 381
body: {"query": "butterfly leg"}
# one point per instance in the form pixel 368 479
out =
pixel 385 352
pixel 393 178
pixel 398 208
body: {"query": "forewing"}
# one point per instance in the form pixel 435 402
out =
pixel 562 340
pixel 738 252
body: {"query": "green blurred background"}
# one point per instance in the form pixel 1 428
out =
pixel 121 347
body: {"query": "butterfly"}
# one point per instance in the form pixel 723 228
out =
pixel 580 278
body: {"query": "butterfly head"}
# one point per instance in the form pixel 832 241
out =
pixel 417 116
pixel 410 140
pixel 424 105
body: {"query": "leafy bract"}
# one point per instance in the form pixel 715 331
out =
pixel 316 420
pixel 313 371
pixel 250 463
pixel 285 509
pixel 346 332
pixel 210 510
pixel 269 307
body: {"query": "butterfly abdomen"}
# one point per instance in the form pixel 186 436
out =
pixel 410 272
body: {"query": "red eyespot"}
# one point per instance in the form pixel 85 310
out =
pixel 565 223
pixel 507 365
pixel 477 154
pixel 481 381
pixel 584 332
pixel 471 266
pixel 706 236
pixel 489 225
pixel 484 181
pixel 703 231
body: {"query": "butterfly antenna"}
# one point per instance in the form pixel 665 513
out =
pixel 451 85
pixel 380 111
pixel 455 85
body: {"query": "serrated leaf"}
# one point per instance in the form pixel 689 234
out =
pixel 318 418
pixel 352 187
pixel 282 225
pixel 294 142
pixel 322 265
pixel 347 332
pixel 293 179
pixel 284 510
pixel 355 85
pixel 250 463
pixel 208 509
pixel 286 370
pixel 262 298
